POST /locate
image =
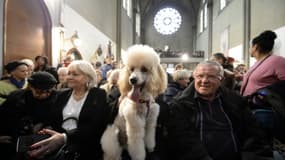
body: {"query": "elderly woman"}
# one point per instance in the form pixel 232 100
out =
pixel 31 65
pixel 181 79
pixel 79 116
pixel 18 72
pixel 62 77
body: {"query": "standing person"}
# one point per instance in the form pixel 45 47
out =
pixel 106 67
pixel 26 111
pixel 229 77
pixel 18 72
pixel 41 64
pixel 240 70
pixel 210 122
pixel 268 68
pixel 79 116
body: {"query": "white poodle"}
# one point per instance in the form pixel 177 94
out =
pixel 140 81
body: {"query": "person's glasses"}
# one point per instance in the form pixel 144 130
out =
pixel 208 77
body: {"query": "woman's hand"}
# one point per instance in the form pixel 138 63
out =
pixel 46 146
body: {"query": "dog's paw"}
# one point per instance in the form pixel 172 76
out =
pixel 149 143
pixel 137 151
pixel 150 149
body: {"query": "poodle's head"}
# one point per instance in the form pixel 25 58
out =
pixel 142 70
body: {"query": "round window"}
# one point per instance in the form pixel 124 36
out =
pixel 167 21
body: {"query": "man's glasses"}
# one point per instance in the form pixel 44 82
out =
pixel 208 77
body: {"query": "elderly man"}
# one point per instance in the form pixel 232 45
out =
pixel 210 122
pixel 26 111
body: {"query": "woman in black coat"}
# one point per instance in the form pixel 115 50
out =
pixel 79 116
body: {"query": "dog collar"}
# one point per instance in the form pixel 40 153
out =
pixel 141 101
pixel 147 102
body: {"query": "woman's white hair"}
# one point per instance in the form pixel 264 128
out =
pixel 29 62
pixel 87 69
pixel 62 70
pixel 180 74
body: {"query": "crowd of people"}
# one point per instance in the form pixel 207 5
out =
pixel 216 112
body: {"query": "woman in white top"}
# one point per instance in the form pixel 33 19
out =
pixel 80 115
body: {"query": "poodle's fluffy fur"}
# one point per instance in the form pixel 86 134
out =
pixel 140 81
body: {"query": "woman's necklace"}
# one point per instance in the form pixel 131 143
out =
pixel 78 96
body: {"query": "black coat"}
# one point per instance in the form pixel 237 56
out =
pixel 20 113
pixel 183 131
pixel 90 125
pixel 21 107
pixel 173 89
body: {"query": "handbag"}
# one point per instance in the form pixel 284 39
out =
pixel 66 152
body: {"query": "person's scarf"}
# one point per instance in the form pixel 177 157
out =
pixel 18 84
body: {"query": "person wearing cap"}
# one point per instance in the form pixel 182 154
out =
pixel 18 72
pixel 26 111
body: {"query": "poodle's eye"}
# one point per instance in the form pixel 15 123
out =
pixel 144 69
pixel 132 69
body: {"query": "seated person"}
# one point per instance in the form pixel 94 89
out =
pixel 26 111
pixel 79 116
pixel 211 122
pixel 179 83
pixel 16 79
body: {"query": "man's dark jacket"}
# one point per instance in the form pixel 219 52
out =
pixel 183 132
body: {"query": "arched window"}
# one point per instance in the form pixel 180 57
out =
pixel 203 16
pixel 223 4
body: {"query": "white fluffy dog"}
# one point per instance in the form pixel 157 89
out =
pixel 141 80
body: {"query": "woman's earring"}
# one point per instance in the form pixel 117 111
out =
pixel 88 84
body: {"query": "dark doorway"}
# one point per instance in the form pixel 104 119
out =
pixel 27 30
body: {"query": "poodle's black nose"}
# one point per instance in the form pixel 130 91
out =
pixel 134 80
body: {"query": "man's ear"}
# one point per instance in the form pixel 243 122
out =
pixel 221 78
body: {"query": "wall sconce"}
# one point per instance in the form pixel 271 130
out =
pixel 75 40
